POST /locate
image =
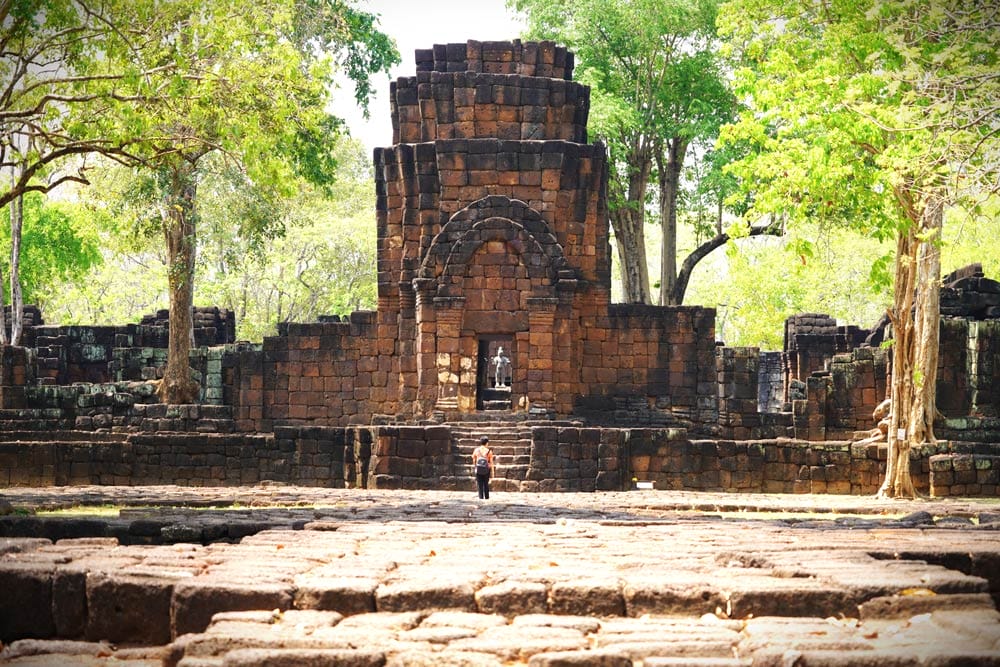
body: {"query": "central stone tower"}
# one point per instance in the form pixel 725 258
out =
pixel 492 228
pixel 493 233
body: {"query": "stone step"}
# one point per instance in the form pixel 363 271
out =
pixel 36 425
pixel 495 445
pixel 62 436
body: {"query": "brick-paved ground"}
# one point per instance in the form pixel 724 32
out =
pixel 306 576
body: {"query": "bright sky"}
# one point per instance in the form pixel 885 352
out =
pixel 420 24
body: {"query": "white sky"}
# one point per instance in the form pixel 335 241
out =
pixel 420 24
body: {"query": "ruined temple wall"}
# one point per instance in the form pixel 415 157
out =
pixel 968 365
pixel 840 399
pixel 322 374
pixel 664 354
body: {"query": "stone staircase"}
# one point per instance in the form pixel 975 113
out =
pixel 511 445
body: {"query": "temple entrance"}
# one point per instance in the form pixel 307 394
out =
pixel 494 373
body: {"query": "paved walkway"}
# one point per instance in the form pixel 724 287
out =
pixel 305 576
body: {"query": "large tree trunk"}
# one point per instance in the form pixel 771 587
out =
pixel 178 220
pixel 16 296
pixel 630 240
pixel 915 316
pixel 669 177
pixel 4 340
pixel 628 216
pixel 15 213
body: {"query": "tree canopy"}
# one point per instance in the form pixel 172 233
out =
pixel 656 87
pixel 877 116
pixel 159 84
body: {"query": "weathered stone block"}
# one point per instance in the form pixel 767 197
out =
pixel 122 608
pixel 194 602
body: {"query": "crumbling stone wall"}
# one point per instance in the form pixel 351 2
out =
pixel 31 316
pixel 308 455
pixel 843 388
pixel 63 355
pixel 323 374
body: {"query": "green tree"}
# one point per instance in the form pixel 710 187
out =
pixel 758 283
pixel 657 88
pixel 252 82
pixel 877 116
pixel 318 259
pixel 63 64
pixel 161 84
pixel 60 244
pixel 325 264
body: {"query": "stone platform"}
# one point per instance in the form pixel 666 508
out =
pixel 281 575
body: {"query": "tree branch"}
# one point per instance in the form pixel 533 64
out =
pixel 676 296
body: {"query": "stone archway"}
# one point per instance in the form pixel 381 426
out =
pixel 488 274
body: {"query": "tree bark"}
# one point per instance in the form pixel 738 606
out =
pixel 627 219
pixel 927 320
pixel 669 177
pixel 915 317
pixel 16 297
pixel 676 296
pixel 4 339
pixel 178 218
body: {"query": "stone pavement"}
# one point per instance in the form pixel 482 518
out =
pixel 306 576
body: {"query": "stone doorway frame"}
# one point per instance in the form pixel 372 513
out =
pixel 486 391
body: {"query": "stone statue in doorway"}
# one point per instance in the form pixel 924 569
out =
pixel 501 362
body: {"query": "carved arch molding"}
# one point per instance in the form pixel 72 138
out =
pixel 492 218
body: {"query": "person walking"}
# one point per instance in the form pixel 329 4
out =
pixel 482 463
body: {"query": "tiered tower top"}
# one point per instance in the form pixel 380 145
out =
pixel 543 59
pixel 498 90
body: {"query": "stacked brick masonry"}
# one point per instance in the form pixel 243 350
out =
pixel 421 187
pixel 542 59
pixel 968 366
pixel 67 354
pixel 740 379
pixel 16 372
pixel 411 457
pixel 460 105
pixel 965 474
pixel 322 374
pixel 666 355
pixel 309 455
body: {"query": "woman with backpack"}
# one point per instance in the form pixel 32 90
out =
pixel 482 463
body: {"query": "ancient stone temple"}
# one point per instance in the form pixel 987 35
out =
pixel 495 318
pixel 493 232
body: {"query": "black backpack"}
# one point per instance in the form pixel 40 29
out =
pixel 482 465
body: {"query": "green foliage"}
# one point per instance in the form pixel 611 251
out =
pixel 59 244
pixel 322 263
pixel 657 87
pixel 318 257
pixel 859 110
pixel 650 64
pixel 762 281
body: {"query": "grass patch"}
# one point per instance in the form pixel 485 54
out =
pixel 107 511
